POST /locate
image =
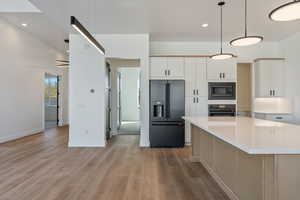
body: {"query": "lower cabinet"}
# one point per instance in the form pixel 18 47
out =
pixel 288 118
pixel 194 106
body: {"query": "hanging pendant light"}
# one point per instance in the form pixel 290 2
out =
pixel 287 12
pixel 221 55
pixel 246 40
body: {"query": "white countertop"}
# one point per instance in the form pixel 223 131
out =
pixel 253 136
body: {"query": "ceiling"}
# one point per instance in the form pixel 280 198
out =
pixel 17 6
pixel 165 20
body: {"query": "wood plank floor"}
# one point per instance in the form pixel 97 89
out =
pixel 41 167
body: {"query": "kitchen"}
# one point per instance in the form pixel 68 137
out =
pixel 252 154
pixel 208 117
pixel 211 90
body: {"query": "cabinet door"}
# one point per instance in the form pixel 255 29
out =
pixel 201 106
pixel 214 69
pixel 230 69
pixel 200 77
pixel 277 81
pixel 221 70
pixel 269 77
pixel 158 67
pixel 263 79
pixel 196 106
pixel 190 77
pixel 176 68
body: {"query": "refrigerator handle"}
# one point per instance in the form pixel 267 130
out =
pixel 167 100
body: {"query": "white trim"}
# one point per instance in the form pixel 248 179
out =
pixel 20 134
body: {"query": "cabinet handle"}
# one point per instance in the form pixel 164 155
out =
pixel 197 92
pixel 169 72
pixel 165 72
pixel 273 92
pixel 193 99
pixel 193 92
pixel 270 92
pixel 223 75
pixel 220 75
pixel 197 100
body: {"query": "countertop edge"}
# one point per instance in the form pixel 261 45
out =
pixel 244 149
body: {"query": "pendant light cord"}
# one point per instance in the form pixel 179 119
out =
pixel 221 29
pixel 246 31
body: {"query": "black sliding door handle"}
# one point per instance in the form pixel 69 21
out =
pixel 167 100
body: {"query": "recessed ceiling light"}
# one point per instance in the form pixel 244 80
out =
pixel 24 24
pixel 204 25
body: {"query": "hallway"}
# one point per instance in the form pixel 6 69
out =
pixel 42 167
pixel 129 128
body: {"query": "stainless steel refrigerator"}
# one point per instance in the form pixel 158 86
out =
pixel 167 107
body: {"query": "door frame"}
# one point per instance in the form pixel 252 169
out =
pixel 58 107
pixel 108 106
pixel 119 108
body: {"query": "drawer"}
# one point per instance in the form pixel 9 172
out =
pixel 279 117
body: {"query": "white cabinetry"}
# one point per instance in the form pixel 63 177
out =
pixel 196 93
pixel 269 78
pixel 195 77
pixel 221 70
pixel 166 68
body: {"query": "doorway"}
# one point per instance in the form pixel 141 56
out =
pixel 129 100
pixel 244 89
pixel 51 100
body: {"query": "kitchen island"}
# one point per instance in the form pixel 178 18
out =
pixel 250 159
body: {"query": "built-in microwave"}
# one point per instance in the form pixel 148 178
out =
pixel 222 91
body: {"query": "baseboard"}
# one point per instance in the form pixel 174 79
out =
pixel 188 144
pixel 20 134
pixel 63 125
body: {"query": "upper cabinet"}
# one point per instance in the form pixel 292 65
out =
pixel 195 77
pixel 269 78
pixel 221 70
pixel 166 68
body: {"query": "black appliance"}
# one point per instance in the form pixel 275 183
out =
pixel 222 110
pixel 167 107
pixel 221 91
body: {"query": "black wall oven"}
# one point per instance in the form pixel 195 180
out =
pixel 222 91
pixel 222 110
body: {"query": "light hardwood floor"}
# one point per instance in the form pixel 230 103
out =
pixel 41 167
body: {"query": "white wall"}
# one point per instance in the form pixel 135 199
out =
pixel 24 61
pixel 133 46
pixel 87 108
pixel 291 49
pixel 129 94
